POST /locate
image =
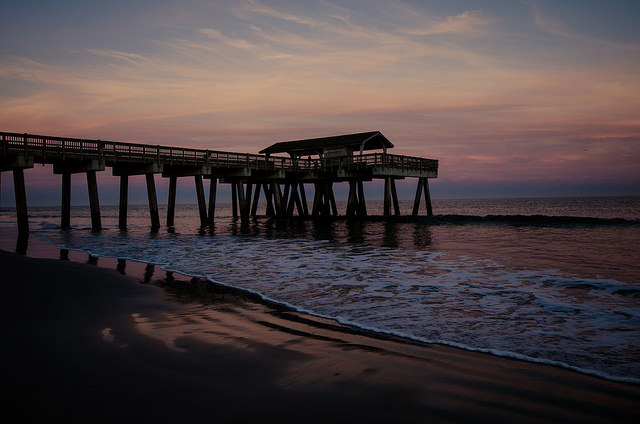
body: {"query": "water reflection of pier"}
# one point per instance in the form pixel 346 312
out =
pixel 282 181
pixel 353 234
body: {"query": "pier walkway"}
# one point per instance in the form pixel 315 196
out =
pixel 282 179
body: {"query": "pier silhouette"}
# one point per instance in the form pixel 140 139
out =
pixel 320 162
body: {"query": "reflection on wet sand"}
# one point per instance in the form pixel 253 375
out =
pixel 179 287
pixel 148 273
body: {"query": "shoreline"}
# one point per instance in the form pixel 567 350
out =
pixel 46 250
pixel 227 348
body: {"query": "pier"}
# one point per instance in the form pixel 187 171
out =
pixel 280 180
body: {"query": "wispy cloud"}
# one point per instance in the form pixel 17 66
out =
pixel 551 24
pixel 556 26
pixel 254 6
pixel 237 43
pixel 130 58
pixel 469 22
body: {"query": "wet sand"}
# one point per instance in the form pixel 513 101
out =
pixel 84 342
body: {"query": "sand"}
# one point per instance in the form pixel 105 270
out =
pixel 86 343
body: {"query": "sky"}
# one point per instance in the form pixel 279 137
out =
pixel 514 98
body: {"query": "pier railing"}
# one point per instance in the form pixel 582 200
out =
pixel 370 160
pixel 47 149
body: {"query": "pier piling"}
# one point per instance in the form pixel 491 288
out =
pixel 234 200
pixel 21 201
pixel 94 202
pixel 423 186
pixel 387 197
pixel 65 209
pixel 268 197
pixel 362 205
pixel 171 202
pixel 256 199
pixel 202 206
pixel 212 200
pixel 303 199
pixel 122 205
pixel 153 201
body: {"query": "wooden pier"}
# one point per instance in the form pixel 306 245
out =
pixel 320 162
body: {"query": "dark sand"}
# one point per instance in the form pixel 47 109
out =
pixel 85 343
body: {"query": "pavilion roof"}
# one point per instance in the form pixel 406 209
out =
pixel 372 140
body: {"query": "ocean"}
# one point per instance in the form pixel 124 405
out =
pixel 553 280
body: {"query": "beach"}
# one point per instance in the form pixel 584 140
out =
pixel 86 343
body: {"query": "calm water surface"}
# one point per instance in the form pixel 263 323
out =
pixel 553 280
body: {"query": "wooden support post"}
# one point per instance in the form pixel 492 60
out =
pixel 317 199
pixel 171 202
pixel 291 202
pixel 423 185
pixel 21 201
pixel 387 196
pixel 65 209
pixel 332 198
pixel 234 199
pixel 416 202
pixel 244 199
pixel 256 199
pixel 294 201
pixel 297 200
pixel 202 205
pixel 285 197
pixel 427 197
pixel 94 201
pixel 394 196
pixel 362 206
pixel 245 212
pixel 268 195
pixel 153 202
pixel 352 201
pixel 124 198
pixel 277 195
pixel 241 200
pixel 326 204
pixel 303 199
pixel 212 199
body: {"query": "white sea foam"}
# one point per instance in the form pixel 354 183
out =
pixel 529 293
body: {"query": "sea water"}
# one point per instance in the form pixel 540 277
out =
pixel 553 280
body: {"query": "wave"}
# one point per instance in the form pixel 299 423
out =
pixel 527 220
pixel 345 324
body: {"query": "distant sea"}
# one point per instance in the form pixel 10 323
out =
pixel 553 280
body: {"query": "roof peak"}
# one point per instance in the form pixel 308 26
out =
pixel 370 140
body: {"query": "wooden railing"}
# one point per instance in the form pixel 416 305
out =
pixel 46 149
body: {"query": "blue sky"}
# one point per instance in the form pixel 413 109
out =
pixel 526 98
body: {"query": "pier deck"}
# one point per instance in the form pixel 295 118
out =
pixel 282 179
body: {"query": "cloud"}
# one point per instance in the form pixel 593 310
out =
pixel 253 6
pixel 469 22
pixel 550 24
pixel 130 58
pixel 231 42
pixel 558 27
